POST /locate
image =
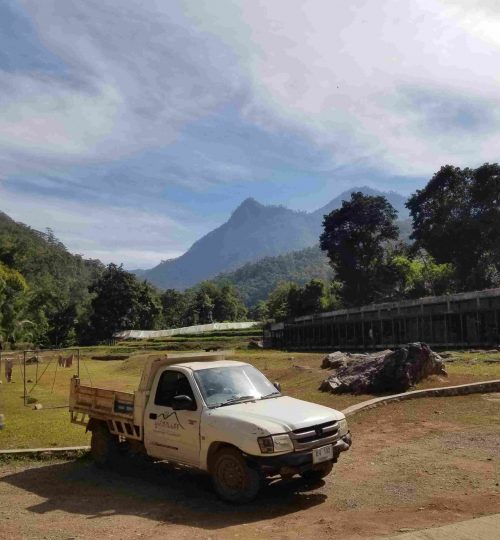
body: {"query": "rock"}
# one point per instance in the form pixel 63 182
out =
pixel 334 360
pixel 37 407
pixel 256 344
pixel 394 371
pixel 381 353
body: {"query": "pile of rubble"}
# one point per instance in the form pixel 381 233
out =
pixel 381 372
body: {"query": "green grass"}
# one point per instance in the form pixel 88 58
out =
pixel 299 374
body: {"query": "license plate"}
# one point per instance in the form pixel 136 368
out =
pixel 324 453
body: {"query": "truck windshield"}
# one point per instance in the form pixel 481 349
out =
pixel 233 384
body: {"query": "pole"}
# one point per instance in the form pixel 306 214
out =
pixel 24 378
pixel 78 364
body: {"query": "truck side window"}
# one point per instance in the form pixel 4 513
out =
pixel 171 384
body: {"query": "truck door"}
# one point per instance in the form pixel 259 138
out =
pixel 170 434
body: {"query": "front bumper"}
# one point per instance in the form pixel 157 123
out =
pixel 296 462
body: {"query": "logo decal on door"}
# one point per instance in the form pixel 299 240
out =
pixel 168 422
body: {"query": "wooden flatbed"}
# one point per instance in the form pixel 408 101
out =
pixel 112 406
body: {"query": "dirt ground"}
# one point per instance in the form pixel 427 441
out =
pixel 413 465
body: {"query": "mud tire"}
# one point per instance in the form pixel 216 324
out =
pixel 103 445
pixel 233 479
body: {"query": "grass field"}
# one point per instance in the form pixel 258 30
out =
pixel 299 374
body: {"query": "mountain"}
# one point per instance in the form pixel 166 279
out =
pixel 253 231
pixel 40 257
pixel 256 280
pixel 57 285
pixel 397 200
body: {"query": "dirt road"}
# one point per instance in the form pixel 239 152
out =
pixel 413 465
pixel 485 528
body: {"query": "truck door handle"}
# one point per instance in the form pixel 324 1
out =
pixel 153 415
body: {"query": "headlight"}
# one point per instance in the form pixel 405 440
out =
pixel 275 443
pixel 266 445
pixel 343 429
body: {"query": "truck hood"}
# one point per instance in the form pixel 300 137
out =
pixel 277 415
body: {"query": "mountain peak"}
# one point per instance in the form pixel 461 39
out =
pixel 249 207
pixel 249 202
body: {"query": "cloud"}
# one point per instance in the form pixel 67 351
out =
pixel 336 71
pixel 110 233
pixel 135 74
pixel 132 76
pixel 143 106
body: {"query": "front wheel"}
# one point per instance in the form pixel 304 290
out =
pixel 319 472
pixel 234 481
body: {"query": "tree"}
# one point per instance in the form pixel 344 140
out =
pixel 316 296
pixel 121 302
pixel 277 301
pixel 420 276
pixel 456 218
pixel 228 305
pixel 355 237
pixel 260 311
pixel 216 302
pixel 174 308
pixel 13 288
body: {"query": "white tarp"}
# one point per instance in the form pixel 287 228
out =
pixel 198 329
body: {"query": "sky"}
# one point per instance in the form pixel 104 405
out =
pixel 133 127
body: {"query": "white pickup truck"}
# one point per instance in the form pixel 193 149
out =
pixel 220 416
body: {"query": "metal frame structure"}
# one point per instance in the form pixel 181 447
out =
pixel 26 354
pixel 469 319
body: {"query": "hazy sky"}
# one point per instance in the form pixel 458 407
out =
pixel 132 127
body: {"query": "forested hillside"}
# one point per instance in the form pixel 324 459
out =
pixel 49 300
pixel 255 281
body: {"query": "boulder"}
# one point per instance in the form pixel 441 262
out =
pixel 394 371
pixel 338 359
pixel 334 360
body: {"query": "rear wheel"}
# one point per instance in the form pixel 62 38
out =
pixel 103 445
pixel 319 472
pixel 233 479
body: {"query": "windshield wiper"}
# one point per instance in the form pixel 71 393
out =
pixel 272 394
pixel 233 400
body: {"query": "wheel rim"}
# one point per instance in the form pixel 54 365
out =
pixel 231 474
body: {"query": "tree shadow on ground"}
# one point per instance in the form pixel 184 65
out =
pixel 156 492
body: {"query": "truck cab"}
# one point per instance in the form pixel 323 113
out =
pixel 220 416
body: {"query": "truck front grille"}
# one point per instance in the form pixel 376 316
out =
pixel 313 436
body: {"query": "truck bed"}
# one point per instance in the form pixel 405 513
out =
pixel 112 406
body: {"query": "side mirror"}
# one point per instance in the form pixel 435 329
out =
pixel 277 385
pixel 183 403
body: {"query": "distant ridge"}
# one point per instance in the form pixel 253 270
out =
pixel 253 231
pixel 255 280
